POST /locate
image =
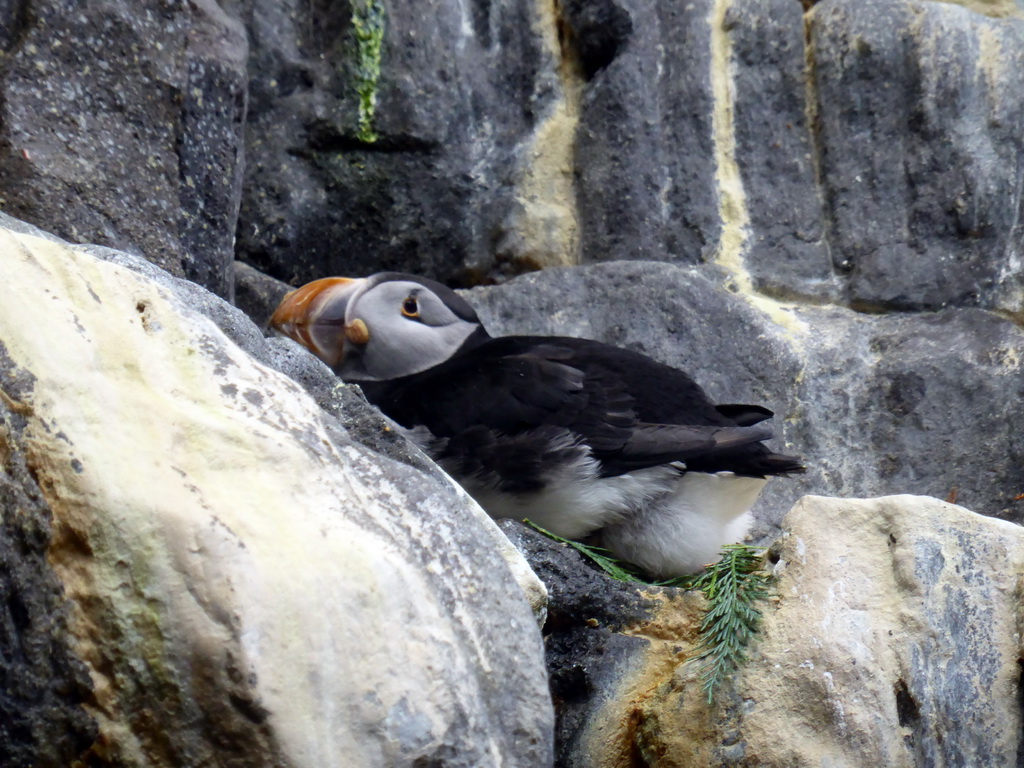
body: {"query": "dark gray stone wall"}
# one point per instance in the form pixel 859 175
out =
pixel 776 151
pixel 426 190
pixel 878 145
pixel 121 124
pixel 640 196
pixel 921 129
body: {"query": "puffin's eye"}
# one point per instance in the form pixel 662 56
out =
pixel 410 308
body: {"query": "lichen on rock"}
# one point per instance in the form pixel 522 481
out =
pixel 369 19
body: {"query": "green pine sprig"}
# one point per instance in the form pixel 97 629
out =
pixel 732 587
pixel 600 556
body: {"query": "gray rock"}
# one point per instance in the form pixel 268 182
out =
pixel 893 182
pixel 257 294
pixel 645 160
pixel 122 125
pixel 874 404
pixel 788 253
pixel 589 636
pixel 929 398
pixel 921 117
pixel 892 640
pixel 43 721
pixel 417 177
pixel 875 163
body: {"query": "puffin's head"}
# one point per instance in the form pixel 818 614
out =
pixel 380 327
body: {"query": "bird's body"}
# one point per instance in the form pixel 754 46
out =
pixel 578 436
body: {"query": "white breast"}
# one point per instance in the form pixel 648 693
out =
pixel 684 530
pixel 577 501
pixel 663 519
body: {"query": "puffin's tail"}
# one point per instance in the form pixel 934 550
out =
pixel 752 461
pixel 780 465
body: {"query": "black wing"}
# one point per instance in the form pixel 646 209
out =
pixel 511 392
pixel 522 386
pixel 744 415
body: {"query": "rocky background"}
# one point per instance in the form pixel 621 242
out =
pixel 815 206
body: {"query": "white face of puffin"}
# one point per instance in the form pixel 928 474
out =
pixel 373 329
pixel 410 330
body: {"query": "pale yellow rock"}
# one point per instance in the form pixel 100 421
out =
pixel 897 636
pixel 542 228
pixel 733 242
pixel 1000 9
pixel 894 640
pixel 221 553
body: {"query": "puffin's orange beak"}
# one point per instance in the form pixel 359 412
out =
pixel 314 316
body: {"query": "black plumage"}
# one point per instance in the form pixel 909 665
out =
pixel 631 411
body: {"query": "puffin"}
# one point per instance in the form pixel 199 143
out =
pixel 586 440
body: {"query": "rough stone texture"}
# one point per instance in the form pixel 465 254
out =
pixel 121 124
pixel 868 155
pixel 43 687
pixel 930 397
pixel 895 641
pixel 597 628
pixel 645 159
pixel 921 131
pixel 257 294
pixel 683 93
pixel 205 511
pixel 892 639
pixel 786 250
pixel 460 110
pixel 876 163
pixel 997 9
pixel 875 404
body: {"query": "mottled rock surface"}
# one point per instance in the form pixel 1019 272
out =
pixel 596 628
pixel 861 153
pixel 43 686
pixel 121 124
pixel 234 563
pixel 921 130
pixel 257 294
pixel 896 632
pixel 405 135
pixel 873 158
pixel 892 639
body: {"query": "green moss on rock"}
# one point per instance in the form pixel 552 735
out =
pixel 368 23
